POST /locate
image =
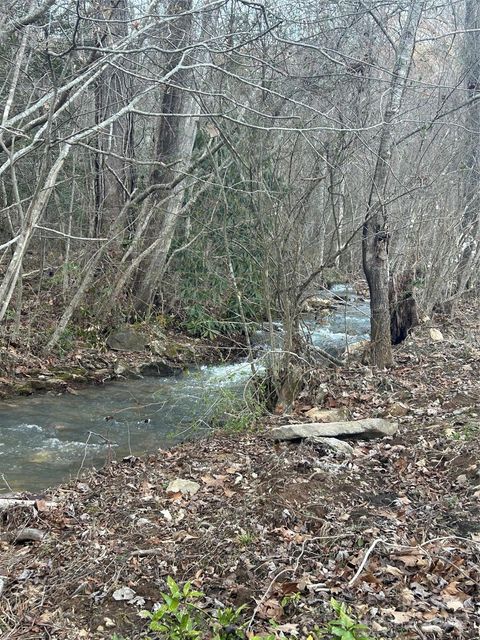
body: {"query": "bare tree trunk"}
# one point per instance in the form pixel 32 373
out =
pixel 375 243
pixel 32 217
pixel 114 175
pixel 175 137
pixel 471 160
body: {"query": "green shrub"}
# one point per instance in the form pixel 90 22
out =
pixel 181 616
pixel 344 626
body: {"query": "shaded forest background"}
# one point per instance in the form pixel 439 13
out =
pixel 212 164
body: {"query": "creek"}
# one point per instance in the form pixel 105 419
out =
pixel 47 439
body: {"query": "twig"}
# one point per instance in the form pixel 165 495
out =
pixel 141 553
pixel 262 599
pixel 365 560
pixel 90 434
pixel 99 435
pixel 6 482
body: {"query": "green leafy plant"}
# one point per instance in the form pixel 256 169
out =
pixel 291 600
pixel 344 626
pixel 245 538
pixel 181 616
pixel 177 617
pixel 201 323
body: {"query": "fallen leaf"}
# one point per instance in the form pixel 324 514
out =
pixel 270 609
pixel 399 617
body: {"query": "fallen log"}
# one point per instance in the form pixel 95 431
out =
pixel 8 503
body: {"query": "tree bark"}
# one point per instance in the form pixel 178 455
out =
pixel 175 137
pixel 471 162
pixel 114 174
pixel 375 245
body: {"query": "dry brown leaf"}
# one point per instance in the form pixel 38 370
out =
pixel 233 469
pixel 453 597
pixel 399 617
pixel 407 596
pixel 213 481
pixel 270 609
pixel 286 588
pixel 41 505
pixel 393 571
pixel 413 560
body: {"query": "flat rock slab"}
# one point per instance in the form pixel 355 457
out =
pixel 369 428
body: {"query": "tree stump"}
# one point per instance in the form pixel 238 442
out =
pixel 403 306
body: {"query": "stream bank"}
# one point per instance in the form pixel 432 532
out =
pixel 157 399
pixel 154 353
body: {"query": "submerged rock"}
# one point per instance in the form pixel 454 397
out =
pixel 369 428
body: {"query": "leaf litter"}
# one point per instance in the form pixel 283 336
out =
pixel 393 530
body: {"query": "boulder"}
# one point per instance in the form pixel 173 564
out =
pixel 158 347
pixel 127 340
pixel 316 303
pixel 158 368
pixel 357 350
pixel 369 428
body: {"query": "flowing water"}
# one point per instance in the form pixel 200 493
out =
pixel 47 439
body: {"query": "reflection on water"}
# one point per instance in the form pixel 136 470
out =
pixel 45 439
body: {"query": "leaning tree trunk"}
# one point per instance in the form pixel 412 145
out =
pixel 471 158
pixel 375 243
pixel 175 137
pixel 174 144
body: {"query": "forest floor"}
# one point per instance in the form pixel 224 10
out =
pixel 393 531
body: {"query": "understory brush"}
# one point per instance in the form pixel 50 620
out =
pixel 232 410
